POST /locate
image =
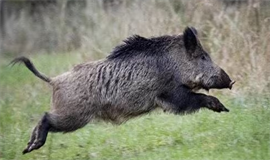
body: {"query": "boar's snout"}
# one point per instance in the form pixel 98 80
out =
pixel 222 81
pixel 225 81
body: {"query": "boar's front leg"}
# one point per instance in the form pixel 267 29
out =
pixel 183 100
pixel 213 103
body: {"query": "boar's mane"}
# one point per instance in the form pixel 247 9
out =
pixel 138 45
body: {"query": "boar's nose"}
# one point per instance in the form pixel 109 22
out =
pixel 226 81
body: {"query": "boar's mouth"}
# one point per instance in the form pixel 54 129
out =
pixel 223 86
pixel 196 87
pixel 207 88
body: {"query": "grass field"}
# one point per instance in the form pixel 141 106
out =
pixel 243 133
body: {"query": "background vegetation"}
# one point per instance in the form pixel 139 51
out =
pixel 236 36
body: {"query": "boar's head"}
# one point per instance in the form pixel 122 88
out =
pixel 198 71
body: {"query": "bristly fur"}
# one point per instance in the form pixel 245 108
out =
pixel 136 44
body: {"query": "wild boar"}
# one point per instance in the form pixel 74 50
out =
pixel 138 76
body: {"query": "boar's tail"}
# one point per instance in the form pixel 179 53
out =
pixel 31 67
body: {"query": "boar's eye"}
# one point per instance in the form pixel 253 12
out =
pixel 203 57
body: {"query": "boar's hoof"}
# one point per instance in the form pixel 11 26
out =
pixel 33 146
pixel 215 105
pixel 223 109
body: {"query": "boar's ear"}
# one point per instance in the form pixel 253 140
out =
pixel 194 30
pixel 190 39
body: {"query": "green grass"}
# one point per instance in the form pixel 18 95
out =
pixel 243 133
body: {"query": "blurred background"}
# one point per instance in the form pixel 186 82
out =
pixel 57 34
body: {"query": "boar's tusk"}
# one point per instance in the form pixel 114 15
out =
pixel 231 84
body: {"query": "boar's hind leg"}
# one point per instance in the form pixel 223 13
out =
pixel 39 135
pixel 51 122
